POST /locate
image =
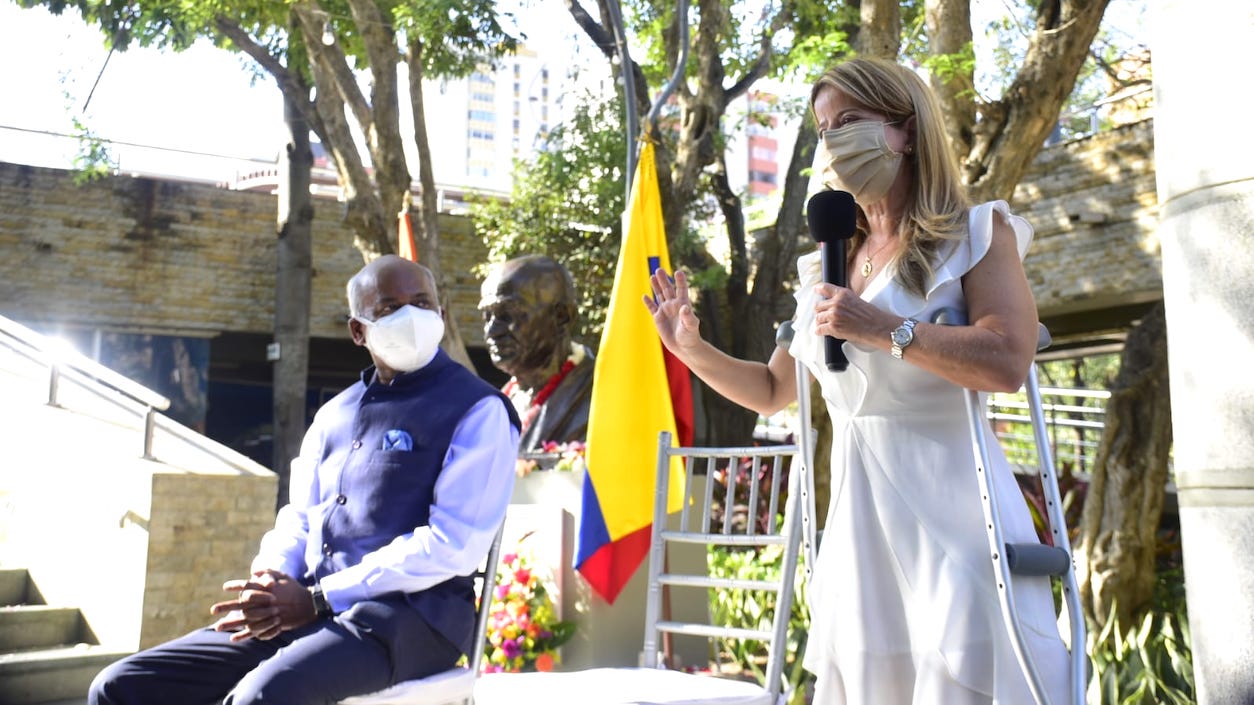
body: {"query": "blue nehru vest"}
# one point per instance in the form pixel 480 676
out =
pixel 380 494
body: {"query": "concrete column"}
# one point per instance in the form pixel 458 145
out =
pixel 1205 162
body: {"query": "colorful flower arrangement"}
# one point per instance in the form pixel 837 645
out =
pixel 524 632
pixel 559 457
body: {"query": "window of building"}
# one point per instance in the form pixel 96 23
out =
pixel 765 154
pixel 762 177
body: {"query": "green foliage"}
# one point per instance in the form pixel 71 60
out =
pixel 947 66
pixel 813 54
pixel 814 35
pixel 458 35
pixel 93 159
pixel 172 24
pixel 748 609
pixel 567 203
pixel 1150 663
pixel 1088 372
pixel 753 609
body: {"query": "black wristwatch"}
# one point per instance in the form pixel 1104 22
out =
pixel 321 607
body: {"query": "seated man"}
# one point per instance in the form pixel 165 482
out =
pixel 528 306
pixel 401 483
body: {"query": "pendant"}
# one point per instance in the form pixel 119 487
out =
pixel 866 268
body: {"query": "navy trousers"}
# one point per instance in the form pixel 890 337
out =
pixel 373 645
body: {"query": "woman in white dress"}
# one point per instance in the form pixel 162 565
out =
pixel 904 608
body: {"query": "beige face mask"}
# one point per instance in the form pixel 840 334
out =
pixel 860 161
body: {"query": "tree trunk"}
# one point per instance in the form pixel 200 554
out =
pixel 1122 508
pixel 728 423
pixel 949 32
pixel 292 294
pixel 1011 130
pixel 428 236
pixel 880 30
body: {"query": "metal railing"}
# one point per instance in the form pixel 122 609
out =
pixel 63 362
pixel 1074 420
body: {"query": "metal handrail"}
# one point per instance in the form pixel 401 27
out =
pixel 64 361
pixel 1073 431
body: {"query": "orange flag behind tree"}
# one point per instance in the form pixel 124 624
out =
pixel 405 246
pixel 636 395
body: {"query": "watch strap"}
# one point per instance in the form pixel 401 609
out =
pixel 898 349
pixel 321 607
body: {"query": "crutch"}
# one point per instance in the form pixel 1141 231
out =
pixel 805 441
pixel 1029 559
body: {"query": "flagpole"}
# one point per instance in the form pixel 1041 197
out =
pixel 629 88
pixel 676 75
pixel 668 645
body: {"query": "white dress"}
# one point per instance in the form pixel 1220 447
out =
pixel 903 605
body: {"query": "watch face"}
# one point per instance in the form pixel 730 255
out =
pixel 903 335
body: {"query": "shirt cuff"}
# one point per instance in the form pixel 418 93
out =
pixel 342 591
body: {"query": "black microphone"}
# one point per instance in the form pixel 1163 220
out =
pixel 833 219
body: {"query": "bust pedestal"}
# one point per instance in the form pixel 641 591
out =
pixel 547 503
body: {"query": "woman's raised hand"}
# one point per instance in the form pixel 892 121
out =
pixel 672 313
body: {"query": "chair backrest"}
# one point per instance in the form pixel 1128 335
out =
pixel 457 683
pixel 486 577
pixel 745 520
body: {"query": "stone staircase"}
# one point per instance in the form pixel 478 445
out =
pixel 48 656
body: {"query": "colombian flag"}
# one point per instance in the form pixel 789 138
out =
pixel 638 391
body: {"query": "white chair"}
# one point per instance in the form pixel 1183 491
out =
pixel 457 684
pixel 745 527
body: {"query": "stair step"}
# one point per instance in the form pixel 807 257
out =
pixel 36 626
pixel 13 586
pixel 49 675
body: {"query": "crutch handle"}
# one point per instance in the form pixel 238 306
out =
pixel 949 316
pixel 784 335
pixel 1037 559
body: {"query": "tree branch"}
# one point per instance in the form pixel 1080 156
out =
pixel 761 65
pixel 1011 130
pixel 603 38
pixel 334 62
pixel 289 83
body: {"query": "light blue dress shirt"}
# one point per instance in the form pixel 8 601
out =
pixel 471 495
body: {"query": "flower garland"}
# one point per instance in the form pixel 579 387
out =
pixel 523 630
pixel 558 457
pixel 528 407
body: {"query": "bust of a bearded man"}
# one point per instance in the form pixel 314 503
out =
pixel 528 307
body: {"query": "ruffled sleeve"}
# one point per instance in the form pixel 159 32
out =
pixel 809 274
pixel 964 254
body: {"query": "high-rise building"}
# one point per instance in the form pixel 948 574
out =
pixel 760 137
pixel 480 124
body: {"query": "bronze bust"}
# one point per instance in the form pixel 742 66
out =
pixel 528 306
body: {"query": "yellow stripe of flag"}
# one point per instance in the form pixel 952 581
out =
pixel 631 401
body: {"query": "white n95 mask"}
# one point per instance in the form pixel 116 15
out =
pixel 406 339
pixel 860 161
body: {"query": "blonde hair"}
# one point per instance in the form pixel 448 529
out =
pixel 938 210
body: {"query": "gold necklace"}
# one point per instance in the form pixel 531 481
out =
pixel 867 265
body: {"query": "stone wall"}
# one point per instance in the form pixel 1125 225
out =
pixel 170 257
pixel 1094 206
pixel 138 254
pixel 203 529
